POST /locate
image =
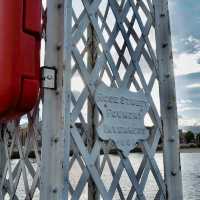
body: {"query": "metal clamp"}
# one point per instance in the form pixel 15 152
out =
pixel 49 77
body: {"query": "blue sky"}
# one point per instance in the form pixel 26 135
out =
pixel 185 26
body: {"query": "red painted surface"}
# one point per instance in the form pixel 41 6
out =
pixel 20 27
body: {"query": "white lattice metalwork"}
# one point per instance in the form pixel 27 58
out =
pixel 121 30
pixel 21 171
pixel 91 41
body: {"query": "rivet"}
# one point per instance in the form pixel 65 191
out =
pixel 171 139
pixel 56 140
pixel 59 5
pixel 173 173
pixel 164 45
pixel 58 47
pixel 120 22
pixel 54 190
pixel 57 91
pixel 169 107
pixel 167 75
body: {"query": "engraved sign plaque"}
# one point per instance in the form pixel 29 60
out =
pixel 122 116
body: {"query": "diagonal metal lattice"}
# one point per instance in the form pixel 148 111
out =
pixel 110 41
pixel 118 27
pixel 21 148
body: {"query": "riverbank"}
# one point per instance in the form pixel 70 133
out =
pixel 190 150
pixel 186 148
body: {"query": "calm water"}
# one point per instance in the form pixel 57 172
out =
pixel 191 175
pixel 190 171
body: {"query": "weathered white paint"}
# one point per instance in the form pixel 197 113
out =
pixel 92 116
pixel 60 131
pixel 168 106
pixel 55 130
pixel 2 157
pixel 122 116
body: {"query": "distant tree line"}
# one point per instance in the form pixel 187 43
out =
pixel 189 137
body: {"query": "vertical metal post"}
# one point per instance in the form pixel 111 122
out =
pixel 66 92
pixel 172 166
pixel 55 129
pixel 93 193
pixel 2 155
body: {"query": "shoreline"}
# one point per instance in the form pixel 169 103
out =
pixel 190 150
pixel 15 155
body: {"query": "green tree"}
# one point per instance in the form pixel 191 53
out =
pixel 189 137
pixel 198 139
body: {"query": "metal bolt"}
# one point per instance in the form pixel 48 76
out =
pixel 162 15
pixel 59 5
pixel 55 139
pixel 120 22
pixel 167 75
pixel 58 47
pixel 173 173
pixel 57 91
pixel 169 106
pixel 164 45
pixel 54 190
pixel 171 139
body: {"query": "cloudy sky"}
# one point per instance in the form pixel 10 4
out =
pixel 185 25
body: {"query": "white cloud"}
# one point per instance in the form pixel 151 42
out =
pixel 184 104
pixel 192 86
pixel 194 41
pixel 186 63
pixel 185 101
pixel 188 109
pixel 184 121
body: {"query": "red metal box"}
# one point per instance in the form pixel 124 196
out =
pixel 20 27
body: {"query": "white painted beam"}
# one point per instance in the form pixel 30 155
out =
pixel 55 124
pixel 172 165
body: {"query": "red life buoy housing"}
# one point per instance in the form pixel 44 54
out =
pixel 20 28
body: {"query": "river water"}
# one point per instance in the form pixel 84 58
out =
pixel 190 171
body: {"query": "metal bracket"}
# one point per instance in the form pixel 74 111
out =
pixel 49 77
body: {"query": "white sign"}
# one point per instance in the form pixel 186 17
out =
pixel 122 116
